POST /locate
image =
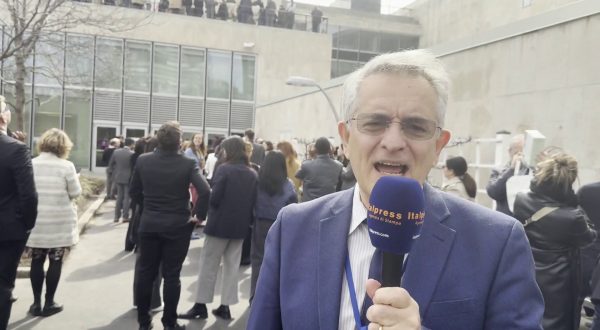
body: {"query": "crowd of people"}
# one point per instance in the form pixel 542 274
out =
pixel 246 11
pixel 300 224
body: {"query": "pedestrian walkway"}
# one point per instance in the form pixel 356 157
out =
pixel 96 286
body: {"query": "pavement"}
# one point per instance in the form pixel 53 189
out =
pixel 96 286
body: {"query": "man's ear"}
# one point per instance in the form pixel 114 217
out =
pixel 4 118
pixel 344 132
pixel 442 140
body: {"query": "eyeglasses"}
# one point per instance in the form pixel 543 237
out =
pixel 414 128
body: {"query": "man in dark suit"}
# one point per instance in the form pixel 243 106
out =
pixel 18 209
pixel 160 182
pixel 320 176
pixel 470 268
pixel 588 197
pixel 119 168
pixel 258 151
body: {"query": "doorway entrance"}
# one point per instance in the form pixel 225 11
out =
pixel 102 135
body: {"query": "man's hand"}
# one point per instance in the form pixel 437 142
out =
pixel 393 308
pixel 194 220
pixel 517 158
pixel 19 136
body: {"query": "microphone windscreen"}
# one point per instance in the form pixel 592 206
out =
pixel 395 214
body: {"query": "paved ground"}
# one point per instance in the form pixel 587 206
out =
pixel 96 286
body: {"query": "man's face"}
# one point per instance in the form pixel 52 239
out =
pixel 400 97
pixel 514 148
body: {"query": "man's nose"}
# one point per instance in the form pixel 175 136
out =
pixel 393 138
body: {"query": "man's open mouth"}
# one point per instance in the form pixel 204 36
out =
pixel 391 168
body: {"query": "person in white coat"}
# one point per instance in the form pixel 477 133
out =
pixel 56 229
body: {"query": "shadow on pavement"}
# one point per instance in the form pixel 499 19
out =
pixel 127 320
pixel 119 263
pixel 27 322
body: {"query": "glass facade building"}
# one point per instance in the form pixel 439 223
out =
pixel 353 47
pixel 96 88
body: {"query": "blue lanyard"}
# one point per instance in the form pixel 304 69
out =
pixel 353 295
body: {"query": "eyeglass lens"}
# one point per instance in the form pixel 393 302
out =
pixel 413 127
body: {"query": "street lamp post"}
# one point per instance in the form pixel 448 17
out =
pixel 308 82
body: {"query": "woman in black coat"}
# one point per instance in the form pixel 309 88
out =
pixel 230 214
pixel 556 229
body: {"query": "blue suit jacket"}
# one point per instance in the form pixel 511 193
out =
pixel 472 267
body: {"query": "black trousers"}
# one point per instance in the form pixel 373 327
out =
pixel 10 254
pixel 167 251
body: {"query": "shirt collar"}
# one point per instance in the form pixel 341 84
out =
pixel 359 211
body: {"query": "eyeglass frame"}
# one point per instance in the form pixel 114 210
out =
pixel 391 120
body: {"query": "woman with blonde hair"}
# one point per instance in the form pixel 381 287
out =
pixel 291 161
pixel 556 229
pixel 56 229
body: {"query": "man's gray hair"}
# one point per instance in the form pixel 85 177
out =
pixel 417 62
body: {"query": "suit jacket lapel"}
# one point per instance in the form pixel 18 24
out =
pixel 430 252
pixel 333 246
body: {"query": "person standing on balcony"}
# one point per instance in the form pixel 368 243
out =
pixel 317 16
pixel 270 13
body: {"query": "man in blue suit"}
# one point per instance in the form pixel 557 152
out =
pixel 471 268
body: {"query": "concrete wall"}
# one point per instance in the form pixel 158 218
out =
pixel 303 118
pixel 546 77
pixel 445 20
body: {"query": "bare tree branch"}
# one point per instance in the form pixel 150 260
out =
pixel 29 22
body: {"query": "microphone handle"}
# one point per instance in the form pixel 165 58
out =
pixel 391 271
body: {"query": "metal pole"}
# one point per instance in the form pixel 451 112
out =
pixel 335 114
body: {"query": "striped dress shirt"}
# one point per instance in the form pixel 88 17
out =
pixel 360 251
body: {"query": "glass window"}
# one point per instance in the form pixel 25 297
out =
pixel 47 109
pixel 49 60
pixel 243 77
pixel 219 74
pixel 368 41
pixel 77 125
pixel 109 63
pixel 137 66
pixel 345 67
pixel 388 43
pixel 365 57
pixel 80 65
pixel 409 42
pixel 348 39
pixel 166 70
pixel 192 72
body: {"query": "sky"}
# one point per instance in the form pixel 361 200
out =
pixel 387 6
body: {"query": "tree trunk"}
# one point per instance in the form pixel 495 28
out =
pixel 20 72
